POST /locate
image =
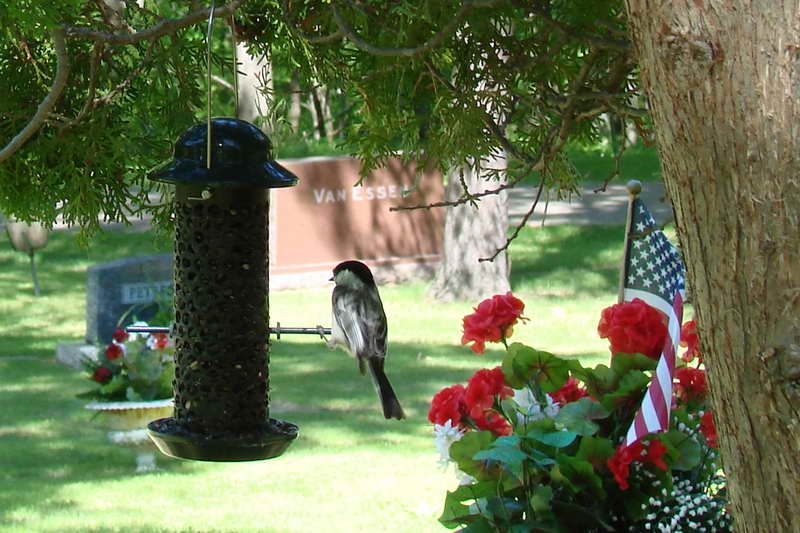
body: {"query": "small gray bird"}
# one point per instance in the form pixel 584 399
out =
pixel 359 327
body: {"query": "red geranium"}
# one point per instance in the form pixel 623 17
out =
pixel 492 321
pixel 691 384
pixel 483 389
pixel 690 341
pixel 161 340
pixel 569 393
pixel 102 375
pixel 448 404
pixel 120 335
pixel 493 421
pixel 655 454
pixel 113 352
pixel 633 327
pixel 483 386
pixel 709 429
pixel 619 464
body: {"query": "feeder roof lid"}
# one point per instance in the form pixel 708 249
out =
pixel 241 155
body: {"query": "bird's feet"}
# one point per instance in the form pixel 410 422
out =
pixel 322 336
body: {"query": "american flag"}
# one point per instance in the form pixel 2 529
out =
pixel 654 272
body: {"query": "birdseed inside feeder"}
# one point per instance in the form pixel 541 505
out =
pixel 221 288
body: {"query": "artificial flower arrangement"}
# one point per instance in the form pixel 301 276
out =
pixel 536 442
pixel 132 367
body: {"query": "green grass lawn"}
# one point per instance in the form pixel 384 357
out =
pixel 350 470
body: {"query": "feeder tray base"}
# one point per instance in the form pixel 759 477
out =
pixel 173 440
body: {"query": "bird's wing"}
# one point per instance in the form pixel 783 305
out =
pixel 376 323
pixel 346 314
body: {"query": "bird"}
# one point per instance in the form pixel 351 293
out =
pixel 359 327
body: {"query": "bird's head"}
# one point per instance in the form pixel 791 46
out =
pixel 353 273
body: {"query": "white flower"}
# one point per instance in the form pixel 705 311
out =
pixel 530 407
pixel 444 436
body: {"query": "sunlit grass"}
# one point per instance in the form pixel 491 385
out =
pixel 350 470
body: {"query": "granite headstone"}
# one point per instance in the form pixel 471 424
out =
pixel 134 285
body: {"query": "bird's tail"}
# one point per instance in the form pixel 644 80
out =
pixel 391 406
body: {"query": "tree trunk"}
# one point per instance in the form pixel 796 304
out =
pixel 295 108
pixel 254 79
pixel 319 114
pixel 723 79
pixel 469 234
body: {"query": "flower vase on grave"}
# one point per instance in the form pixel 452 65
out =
pixel 128 422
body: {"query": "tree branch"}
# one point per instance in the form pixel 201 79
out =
pixel 97 51
pixel 446 31
pixel 49 101
pixel 313 39
pixel 519 227
pixel 164 27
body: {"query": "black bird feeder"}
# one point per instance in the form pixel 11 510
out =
pixel 222 172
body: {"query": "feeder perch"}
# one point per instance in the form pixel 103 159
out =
pixel 221 285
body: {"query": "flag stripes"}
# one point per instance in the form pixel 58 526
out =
pixel 654 273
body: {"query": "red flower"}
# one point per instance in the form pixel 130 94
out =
pixel 120 335
pixel 619 464
pixel 113 352
pixel 102 375
pixel 655 454
pixel 569 393
pixel 633 327
pixel 709 430
pixel 482 388
pixel 161 340
pixel 448 404
pixel 691 384
pixel 491 420
pixel 690 341
pixel 492 321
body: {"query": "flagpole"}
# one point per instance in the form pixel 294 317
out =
pixel 634 188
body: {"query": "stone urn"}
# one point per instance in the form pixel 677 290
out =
pixel 128 422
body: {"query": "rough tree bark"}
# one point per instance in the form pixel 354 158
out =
pixel 723 79
pixel 469 234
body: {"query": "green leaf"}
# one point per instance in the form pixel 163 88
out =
pixel 455 511
pixel 541 459
pixel 541 497
pixel 557 439
pixel 505 450
pixel 581 475
pixel 596 450
pixel 578 416
pixel 631 387
pixel 480 525
pixel 523 364
pixel 690 453
pixel 622 363
pixel 600 380
pixel 463 452
pixel 574 517
pixel 117 384
pixel 558 477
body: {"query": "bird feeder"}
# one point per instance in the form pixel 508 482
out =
pixel 222 172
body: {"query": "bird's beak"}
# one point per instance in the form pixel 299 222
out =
pixel 330 279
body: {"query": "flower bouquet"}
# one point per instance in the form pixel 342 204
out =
pixel 133 367
pixel 537 442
